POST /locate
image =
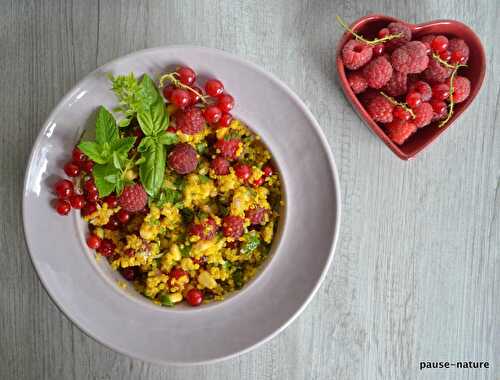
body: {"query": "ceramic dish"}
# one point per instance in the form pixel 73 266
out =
pixel 474 71
pixel 87 291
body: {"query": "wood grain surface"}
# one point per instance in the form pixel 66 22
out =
pixel 416 276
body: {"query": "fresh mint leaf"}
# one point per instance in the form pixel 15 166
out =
pixel 252 241
pixel 152 170
pixel 117 161
pixel 168 138
pixel 238 278
pixel 100 173
pixel 105 127
pixel 154 119
pixel 92 150
pixel 112 178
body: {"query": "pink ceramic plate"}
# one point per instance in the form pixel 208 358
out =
pixel 475 70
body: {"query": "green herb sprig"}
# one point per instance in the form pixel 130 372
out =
pixel 110 153
pixel 359 37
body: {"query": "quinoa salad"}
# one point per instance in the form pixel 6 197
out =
pixel 180 197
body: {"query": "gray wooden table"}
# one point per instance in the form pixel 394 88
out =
pixel 416 275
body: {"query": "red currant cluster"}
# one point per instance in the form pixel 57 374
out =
pixel 67 197
pixel 182 93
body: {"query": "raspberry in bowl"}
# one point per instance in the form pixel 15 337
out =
pixel 426 75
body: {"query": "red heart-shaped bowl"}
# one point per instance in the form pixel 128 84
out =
pixel 368 27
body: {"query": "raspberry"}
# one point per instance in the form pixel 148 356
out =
pixel 395 28
pixel 378 72
pixel 435 72
pixel 399 130
pixel 422 88
pixel 397 84
pixel 133 198
pixel 411 58
pixel 357 82
pixel 380 109
pixel 367 96
pixel 459 45
pixel 220 165
pixel 205 230
pixel 461 88
pixel 355 54
pixel 183 158
pixel 227 148
pixel 256 215
pixel 232 226
pixel 190 121
pixel 423 115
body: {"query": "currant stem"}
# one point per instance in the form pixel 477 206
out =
pixel 446 64
pixel 452 102
pixel 396 103
pixel 171 77
pixel 359 37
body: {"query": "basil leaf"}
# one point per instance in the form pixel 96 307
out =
pixel 149 92
pixel 100 173
pixel 252 241
pixel 112 178
pixel 168 138
pixel 122 146
pixel 152 170
pixel 146 144
pixel 145 120
pixel 117 161
pixel 105 127
pixel 120 184
pixel 92 150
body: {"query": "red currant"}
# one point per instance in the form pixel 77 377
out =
pixel 62 207
pixel 128 273
pixel 193 97
pixel 212 114
pixel 413 99
pixel 258 182
pixel 186 75
pixel 180 98
pixel 225 102
pixel 439 44
pixel 167 92
pixel 93 241
pixel 89 186
pixel 438 106
pixel 384 32
pixel 77 201
pixel 111 200
pixel 89 209
pixel 194 297
pixel 268 170
pixel 71 169
pixel 64 188
pixel 92 197
pixel 113 223
pixel 378 49
pixel 78 155
pixel 106 248
pixel 171 129
pixel 225 120
pixel 123 216
pixel 214 87
pixel 129 252
pixel 445 55
pixel 87 166
pixel 242 171
pixel 400 113
pixel 457 57
pixel 440 91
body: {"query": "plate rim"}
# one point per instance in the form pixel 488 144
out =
pixel 332 166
